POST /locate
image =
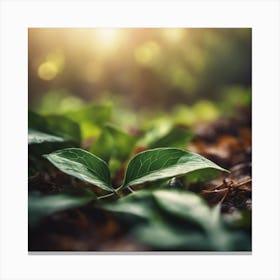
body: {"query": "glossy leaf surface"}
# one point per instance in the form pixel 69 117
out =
pixel 82 165
pixel 164 163
pixel 37 137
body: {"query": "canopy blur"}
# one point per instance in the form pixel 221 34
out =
pixel 151 69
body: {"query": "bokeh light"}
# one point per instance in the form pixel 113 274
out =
pixel 147 52
pixel 142 68
pixel 47 71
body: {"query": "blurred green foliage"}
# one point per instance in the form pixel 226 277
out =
pixel 176 220
pixel 148 70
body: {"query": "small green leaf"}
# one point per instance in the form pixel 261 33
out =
pixel 113 143
pixel 40 206
pixel 82 165
pixel 164 163
pixel 167 136
pixel 90 118
pixel 37 137
pixel 98 114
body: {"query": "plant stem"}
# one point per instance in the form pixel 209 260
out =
pixel 115 192
pixel 130 189
pixel 105 196
pixel 119 188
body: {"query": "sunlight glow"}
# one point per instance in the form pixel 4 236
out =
pixel 107 36
pixel 173 34
pixel 147 52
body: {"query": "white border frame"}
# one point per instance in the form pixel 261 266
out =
pixel 17 16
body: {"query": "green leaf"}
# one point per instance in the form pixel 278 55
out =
pixel 38 122
pixel 191 208
pixel 37 137
pixel 40 206
pixel 185 205
pixel 98 114
pixel 55 125
pixel 176 220
pixel 64 127
pixel 167 136
pixel 164 163
pixel 139 204
pixel 82 165
pixel 201 175
pixel 164 236
pixel 40 143
pixel 113 143
pixel 90 118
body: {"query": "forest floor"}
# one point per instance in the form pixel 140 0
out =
pixel 226 141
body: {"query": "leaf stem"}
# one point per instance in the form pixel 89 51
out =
pixel 115 192
pixel 105 196
pixel 130 189
pixel 119 188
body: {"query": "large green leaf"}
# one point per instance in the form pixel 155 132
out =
pixel 40 206
pixel 55 125
pixel 185 205
pixel 165 236
pixel 37 137
pixel 38 122
pixel 40 143
pixel 164 163
pixel 82 165
pixel 190 207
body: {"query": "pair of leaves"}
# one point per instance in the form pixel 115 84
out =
pixel 151 165
pixel 176 220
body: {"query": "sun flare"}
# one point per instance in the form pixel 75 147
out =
pixel 107 36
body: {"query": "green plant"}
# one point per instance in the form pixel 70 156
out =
pixel 158 211
pixel 150 165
